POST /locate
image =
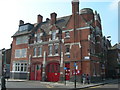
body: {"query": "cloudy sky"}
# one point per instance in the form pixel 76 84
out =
pixel 27 10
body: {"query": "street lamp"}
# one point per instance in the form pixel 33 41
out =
pixel 75 73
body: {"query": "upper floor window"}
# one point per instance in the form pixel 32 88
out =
pixel 67 48
pixel 56 49
pixel 39 51
pixel 50 49
pixel 27 26
pixel 24 27
pixel 53 35
pixel 38 37
pixel 21 40
pixel 34 52
pixel 67 34
pixel 20 53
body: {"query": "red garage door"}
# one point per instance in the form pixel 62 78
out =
pixel 53 72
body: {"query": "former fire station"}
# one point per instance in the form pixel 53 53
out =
pixel 59 48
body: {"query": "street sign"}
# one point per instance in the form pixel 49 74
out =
pixel 65 68
pixel 75 64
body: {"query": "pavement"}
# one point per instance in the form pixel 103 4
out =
pixel 67 85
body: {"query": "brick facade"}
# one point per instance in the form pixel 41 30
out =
pixel 63 41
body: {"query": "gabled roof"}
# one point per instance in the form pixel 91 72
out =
pixel 61 22
pixel 116 46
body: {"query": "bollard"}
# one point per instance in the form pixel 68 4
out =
pixel 3 82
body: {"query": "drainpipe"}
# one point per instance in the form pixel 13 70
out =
pixel 43 70
pixel 29 64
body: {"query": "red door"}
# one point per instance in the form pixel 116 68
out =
pixel 36 73
pixel 32 73
pixel 67 75
pixel 53 72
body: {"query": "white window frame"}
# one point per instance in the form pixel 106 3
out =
pixel 53 35
pixel 67 34
pixel 21 53
pixel 56 54
pixel 22 40
pixel 40 51
pixel 17 65
pixel 50 51
pixel 35 52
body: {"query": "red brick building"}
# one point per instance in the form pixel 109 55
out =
pixel 40 51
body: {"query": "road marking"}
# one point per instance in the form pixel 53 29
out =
pixel 48 86
pixel 95 87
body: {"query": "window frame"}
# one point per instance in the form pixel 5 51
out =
pixel 18 65
pixel 40 51
pixel 21 53
pixel 53 35
pixel 67 34
pixel 50 52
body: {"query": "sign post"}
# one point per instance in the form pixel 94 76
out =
pixel 65 74
pixel 75 73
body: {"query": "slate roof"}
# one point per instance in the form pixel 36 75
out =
pixel 116 46
pixel 61 22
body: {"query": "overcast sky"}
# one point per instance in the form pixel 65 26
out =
pixel 27 10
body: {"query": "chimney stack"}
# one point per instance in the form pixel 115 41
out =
pixel 39 18
pixel 53 17
pixel 75 6
pixel 21 22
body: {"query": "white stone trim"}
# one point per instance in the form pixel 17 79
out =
pixel 57 31
pixel 50 32
pixel 67 53
pixel 56 44
pixel 50 44
pixel 88 37
pixel 56 54
pixel 18 72
pixel 35 35
pixel 63 40
pixel 81 28
pixel 67 30
pixel 41 34
pixel 40 56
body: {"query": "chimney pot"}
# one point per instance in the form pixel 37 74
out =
pixel 39 18
pixel 21 22
pixel 53 17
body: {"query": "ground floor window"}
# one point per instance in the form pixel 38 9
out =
pixel 20 66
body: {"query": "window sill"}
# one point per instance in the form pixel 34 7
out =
pixel 67 53
pixel 19 71
pixel 56 55
pixel 50 55
pixel 40 56
pixel 34 56
pixel 68 37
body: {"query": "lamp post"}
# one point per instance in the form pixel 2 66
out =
pixel 75 73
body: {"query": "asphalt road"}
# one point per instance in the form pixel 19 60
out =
pixel 31 85
pixel 36 85
pixel 110 86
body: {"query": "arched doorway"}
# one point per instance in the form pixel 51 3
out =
pixel 53 72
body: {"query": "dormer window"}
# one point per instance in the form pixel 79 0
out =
pixel 24 27
pixel 53 35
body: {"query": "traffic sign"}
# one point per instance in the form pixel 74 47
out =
pixel 65 68
pixel 75 64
